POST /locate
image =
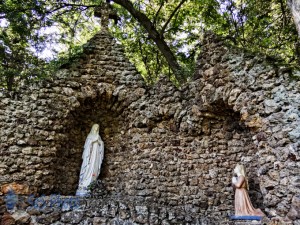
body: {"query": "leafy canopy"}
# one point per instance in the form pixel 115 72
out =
pixel 25 30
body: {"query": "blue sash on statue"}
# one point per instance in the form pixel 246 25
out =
pixel 246 217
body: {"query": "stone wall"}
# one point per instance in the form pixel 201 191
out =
pixel 107 211
pixel 167 146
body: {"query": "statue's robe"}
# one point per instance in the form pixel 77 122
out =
pixel 92 159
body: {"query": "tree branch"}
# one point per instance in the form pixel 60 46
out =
pixel 156 15
pixel 283 11
pixel 61 6
pixel 171 16
pixel 77 5
pixel 154 35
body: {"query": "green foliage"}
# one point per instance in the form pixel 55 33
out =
pixel 18 64
pixel 23 36
pixel 259 26
pixel 180 28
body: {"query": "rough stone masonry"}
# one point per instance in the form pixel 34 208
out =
pixel 168 149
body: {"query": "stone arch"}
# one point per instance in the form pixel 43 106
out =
pixel 42 112
pixel 76 125
pixel 217 140
pixel 240 144
pixel 265 98
pixel 103 103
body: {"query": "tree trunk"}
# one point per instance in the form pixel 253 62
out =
pixel 154 35
pixel 10 82
pixel 294 6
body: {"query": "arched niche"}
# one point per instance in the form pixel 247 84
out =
pixel 76 127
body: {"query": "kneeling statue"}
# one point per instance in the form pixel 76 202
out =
pixel 242 203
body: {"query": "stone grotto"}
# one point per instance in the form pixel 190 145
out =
pixel 169 151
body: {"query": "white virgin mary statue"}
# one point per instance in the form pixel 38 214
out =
pixel 92 159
